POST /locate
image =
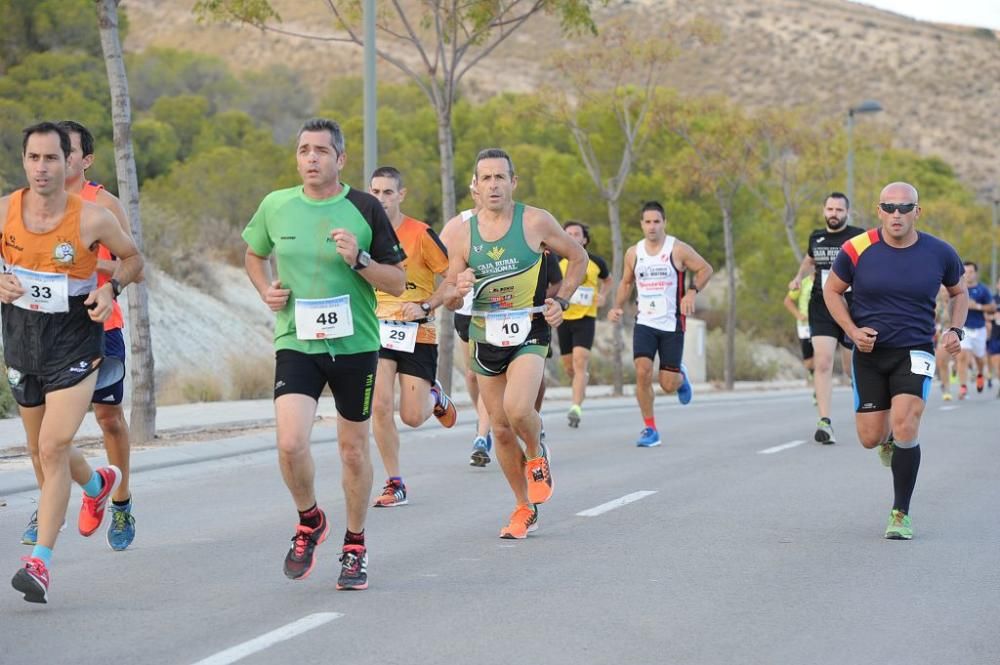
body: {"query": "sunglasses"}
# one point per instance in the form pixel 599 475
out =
pixel 903 208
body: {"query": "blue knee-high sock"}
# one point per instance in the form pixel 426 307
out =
pixel 44 553
pixel 93 486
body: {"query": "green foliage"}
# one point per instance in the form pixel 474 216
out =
pixel 160 73
pixel 13 117
pixel 748 367
pixel 277 98
pixel 156 147
pixel 185 114
pixel 49 25
pixel 8 407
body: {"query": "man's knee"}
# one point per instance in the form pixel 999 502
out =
pixel 411 414
pixel 111 420
pixel 644 372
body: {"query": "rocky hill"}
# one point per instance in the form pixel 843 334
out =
pixel 938 83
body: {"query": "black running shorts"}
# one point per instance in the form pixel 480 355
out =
pixel 578 332
pixel 351 378
pixel 647 342
pixel 422 363
pixel 821 323
pixel 807 348
pixel 29 390
pixel 462 326
pixel 884 373
pixel 490 360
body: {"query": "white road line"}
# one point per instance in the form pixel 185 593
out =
pixel 617 503
pixel 286 632
pixel 948 408
pixel 778 449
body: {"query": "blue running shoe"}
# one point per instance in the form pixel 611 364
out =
pixel 685 392
pixel 481 451
pixel 121 531
pixel 648 438
pixel 30 536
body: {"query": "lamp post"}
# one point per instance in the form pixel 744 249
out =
pixel 370 116
pixel 867 106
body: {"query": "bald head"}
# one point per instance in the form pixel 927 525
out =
pixel 899 192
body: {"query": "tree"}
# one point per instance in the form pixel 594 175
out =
pixel 719 158
pixel 632 67
pixel 446 39
pixel 142 421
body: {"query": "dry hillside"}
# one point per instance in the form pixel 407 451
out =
pixel 938 84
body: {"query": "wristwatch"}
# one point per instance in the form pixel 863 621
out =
pixel 959 332
pixel 562 302
pixel 426 307
pixel 116 287
pixel 364 260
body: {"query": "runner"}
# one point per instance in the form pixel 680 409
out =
pixel 500 259
pixel 334 246
pixel 576 334
pixel 895 272
pixel 942 359
pixel 797 302
pixel 656 266
pixel 553 280
pixel 408 336
pixel 53 334
pixel 993 345
pixel 824 245
pixel 974 342
pixel 482 444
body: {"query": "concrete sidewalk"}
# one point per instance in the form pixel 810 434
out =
pixel 206 431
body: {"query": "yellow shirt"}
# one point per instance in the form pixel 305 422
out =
pixel 597 270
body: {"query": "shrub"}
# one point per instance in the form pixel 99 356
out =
pixel 8 407
pixel 250 378
pixel 748 366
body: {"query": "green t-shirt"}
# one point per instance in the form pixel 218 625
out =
pixel 297 230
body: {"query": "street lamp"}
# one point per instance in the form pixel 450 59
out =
pixel 867 106
pixel 370 114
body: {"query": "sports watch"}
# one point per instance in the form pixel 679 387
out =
pixel 562 302
pixel 116 287
pixel 364 260
pixel 959 332
pixel 426 307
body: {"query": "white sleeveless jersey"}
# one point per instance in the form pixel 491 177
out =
pixel 660 287
pixel 466 307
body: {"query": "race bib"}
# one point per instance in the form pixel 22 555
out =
pixel 922 363
pixel 653 305
pixel 43 291
pixel 803 330
pixel 508 328
pixel 825 275
pixel 399 335
pixel 584 295
pixel 324 318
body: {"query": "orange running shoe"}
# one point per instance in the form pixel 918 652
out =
pixel 523 521
pixel 444 408
pixel 393 494
pixel 980 383
pixel 539 477
pixel 92 508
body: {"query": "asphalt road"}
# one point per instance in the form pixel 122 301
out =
pixel 731 543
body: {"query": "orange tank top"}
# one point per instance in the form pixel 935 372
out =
pixel 116 320
pixel 58 251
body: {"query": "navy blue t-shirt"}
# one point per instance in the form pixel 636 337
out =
pixel 895 289
pixel 981 295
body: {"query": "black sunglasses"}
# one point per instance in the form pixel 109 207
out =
pixel 903 208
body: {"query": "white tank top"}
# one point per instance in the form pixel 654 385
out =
pixel 660 286
pixel 466 307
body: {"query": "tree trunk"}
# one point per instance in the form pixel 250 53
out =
pixel 143 414
pixel 727 229
pixel 617 267
pixel 446 327
pixel 790 232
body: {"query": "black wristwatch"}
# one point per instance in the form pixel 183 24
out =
pixel 426 307
pixel 116 287
pixel 562 302
pixel 364 260
pixel 959 332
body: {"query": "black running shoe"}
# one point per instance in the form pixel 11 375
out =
pixel 353 568
pixel 301 557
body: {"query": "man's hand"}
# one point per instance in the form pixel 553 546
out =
pixel 802 317
pixel 276 297
pixel 864 339
pixel 553 312
pixel 465 282
pixel 347 245
pixel 951 343
pixel 10 289
pixel 412 311
pixel 100 303
pixel 615 314
pixel 687 303
pixel 795 284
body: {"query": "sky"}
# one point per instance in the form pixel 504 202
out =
pixel 978 13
